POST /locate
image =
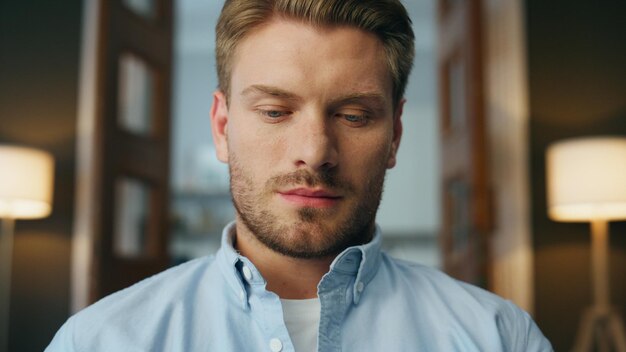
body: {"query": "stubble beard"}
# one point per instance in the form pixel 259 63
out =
pixel 309 235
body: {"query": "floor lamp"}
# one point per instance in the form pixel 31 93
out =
pixel 587 182
pixel 26 179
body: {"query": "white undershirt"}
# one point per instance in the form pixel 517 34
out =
pixel 302 318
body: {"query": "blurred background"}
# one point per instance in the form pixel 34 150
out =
pixel 119 92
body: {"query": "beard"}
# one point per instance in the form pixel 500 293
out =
pixel 311 233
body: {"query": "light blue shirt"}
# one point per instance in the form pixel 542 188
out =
pixel 369 302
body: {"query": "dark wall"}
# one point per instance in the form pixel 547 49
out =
pixel 39 60
pixel 577 86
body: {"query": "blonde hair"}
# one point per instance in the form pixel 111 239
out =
pixel 387 19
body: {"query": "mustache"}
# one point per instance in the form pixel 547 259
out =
pixel 328 179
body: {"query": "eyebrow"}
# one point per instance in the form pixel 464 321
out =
pixel 376 98
pixel 260 89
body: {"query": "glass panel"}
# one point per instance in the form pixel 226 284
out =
pixel 131 218
pixel 144 8
pixel 136 95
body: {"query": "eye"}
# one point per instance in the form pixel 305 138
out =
pixel 273 115
pixel 354 120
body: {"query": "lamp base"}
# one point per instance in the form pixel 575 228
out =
pixel 605 327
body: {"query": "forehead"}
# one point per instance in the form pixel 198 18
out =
pixel 289 53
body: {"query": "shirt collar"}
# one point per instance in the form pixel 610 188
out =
pixel 360 261
pixel 227 259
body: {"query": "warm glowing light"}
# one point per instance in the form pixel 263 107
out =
pixel 26 182
pixel 587 179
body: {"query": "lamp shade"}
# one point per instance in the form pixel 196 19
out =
pixel 26 180
pixel 587 179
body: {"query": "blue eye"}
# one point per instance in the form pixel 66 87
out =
pixel 274 113
pixel 354 120
pixel 273 116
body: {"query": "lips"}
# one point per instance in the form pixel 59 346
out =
pixel 307 192
pixel 308 197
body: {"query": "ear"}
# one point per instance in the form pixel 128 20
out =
pixel 397 134
pixel 219 125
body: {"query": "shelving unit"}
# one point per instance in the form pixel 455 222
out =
pixel 198 219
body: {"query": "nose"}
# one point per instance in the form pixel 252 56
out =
pixel 314 144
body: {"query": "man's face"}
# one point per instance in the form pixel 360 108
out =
pixel 308 132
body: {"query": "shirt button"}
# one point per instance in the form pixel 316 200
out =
pixel 247 273
pixel 360 286
pixel 276 345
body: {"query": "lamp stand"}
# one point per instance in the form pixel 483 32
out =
pixel 600 322
pixel 6 250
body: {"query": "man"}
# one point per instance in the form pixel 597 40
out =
pixel 307 116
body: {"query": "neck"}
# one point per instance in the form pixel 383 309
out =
pixel 289 278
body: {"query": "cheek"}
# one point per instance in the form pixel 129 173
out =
pixel 367 155
pixel 255 150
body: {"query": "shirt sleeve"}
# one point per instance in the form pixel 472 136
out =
pixel 519 332
pixel 62 341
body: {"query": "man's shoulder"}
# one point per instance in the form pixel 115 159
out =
pixel 433 281
pixel 165 287
pixel 447 301
pixel 142 307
